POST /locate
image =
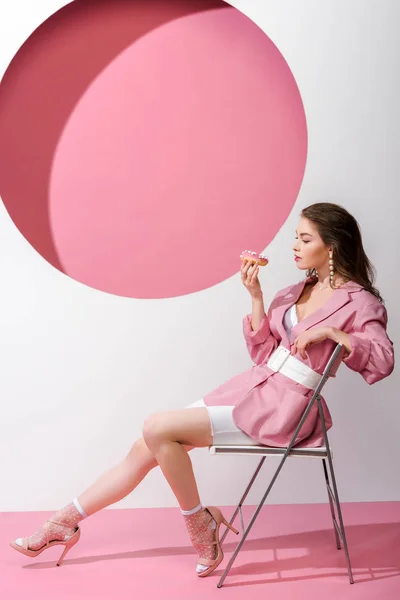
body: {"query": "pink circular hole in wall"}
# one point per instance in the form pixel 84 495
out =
pixel 142 167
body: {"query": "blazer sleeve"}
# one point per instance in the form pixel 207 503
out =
pixel 260 343
pixel 372 351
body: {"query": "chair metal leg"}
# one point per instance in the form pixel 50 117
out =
pixel 245 534
pixel 334 498
pixel 335 495
pixel 243 498
pixel 259 507
pixel 331 504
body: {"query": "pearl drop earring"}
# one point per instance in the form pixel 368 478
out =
pixel 331 269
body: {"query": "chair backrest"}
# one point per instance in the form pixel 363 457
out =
pixel 331 364
pixel 331 368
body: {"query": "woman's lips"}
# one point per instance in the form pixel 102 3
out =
pixel 296 258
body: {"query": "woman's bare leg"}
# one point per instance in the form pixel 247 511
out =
pixel 165 434
pixel 112 486
pixel 120 480
pixel 170 436
pixel 160 431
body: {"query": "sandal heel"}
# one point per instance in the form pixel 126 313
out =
pixel 70 544
pixel 229 526
pixel 66 549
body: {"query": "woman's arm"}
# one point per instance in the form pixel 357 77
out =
pixel 340 337
pixel 260 342
pixel 257 311
pixel 370 350
pixel 259 339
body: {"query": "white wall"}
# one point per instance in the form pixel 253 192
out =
pixel 81 369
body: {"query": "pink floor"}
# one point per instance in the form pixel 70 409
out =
pixel 144 553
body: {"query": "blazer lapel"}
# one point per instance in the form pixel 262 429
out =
pixel 340 298
pixel 285 303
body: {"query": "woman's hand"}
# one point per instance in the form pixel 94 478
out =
pixel 249 275
pixel 306 338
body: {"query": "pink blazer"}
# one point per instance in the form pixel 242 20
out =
pixel 267 405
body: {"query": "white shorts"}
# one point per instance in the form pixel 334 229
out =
pixel 224 430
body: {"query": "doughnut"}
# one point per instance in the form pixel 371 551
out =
pixel 254 257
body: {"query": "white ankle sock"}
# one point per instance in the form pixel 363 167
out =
pixel 192 511
pixel 79 508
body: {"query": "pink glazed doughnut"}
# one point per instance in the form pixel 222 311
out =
pixel 254 257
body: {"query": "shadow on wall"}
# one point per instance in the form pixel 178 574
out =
pixel 36 103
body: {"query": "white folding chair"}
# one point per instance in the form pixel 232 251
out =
pixel 323 452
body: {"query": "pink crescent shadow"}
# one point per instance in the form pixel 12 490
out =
pixel 42 85
pixel 185 144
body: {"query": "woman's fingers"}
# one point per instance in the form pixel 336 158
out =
pixel 244 269
pixel 247 266
pixel 255 272
pixel 249 272
pixel 300 349
pixel 249 275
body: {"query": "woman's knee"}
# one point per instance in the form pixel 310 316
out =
pixel 153 431
pixel 139 448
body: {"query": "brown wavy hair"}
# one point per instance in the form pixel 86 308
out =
pixel 340 230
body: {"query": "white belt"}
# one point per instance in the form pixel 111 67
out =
pixel 283 362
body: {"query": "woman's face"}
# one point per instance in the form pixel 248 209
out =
pixel 310 251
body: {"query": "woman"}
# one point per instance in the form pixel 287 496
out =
pixel 335 303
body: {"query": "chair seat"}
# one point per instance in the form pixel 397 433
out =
pixel 319 452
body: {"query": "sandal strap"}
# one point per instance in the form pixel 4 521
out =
pixel 46 527
pixel 61 525
pixel 200 533
pixel 50 521
pixel 205 544
pixel 25 544
pixel 56 523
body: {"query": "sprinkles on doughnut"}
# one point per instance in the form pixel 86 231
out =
pixel 254 257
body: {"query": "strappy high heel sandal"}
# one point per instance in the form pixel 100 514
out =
pixel 68 542
pixel 205 539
